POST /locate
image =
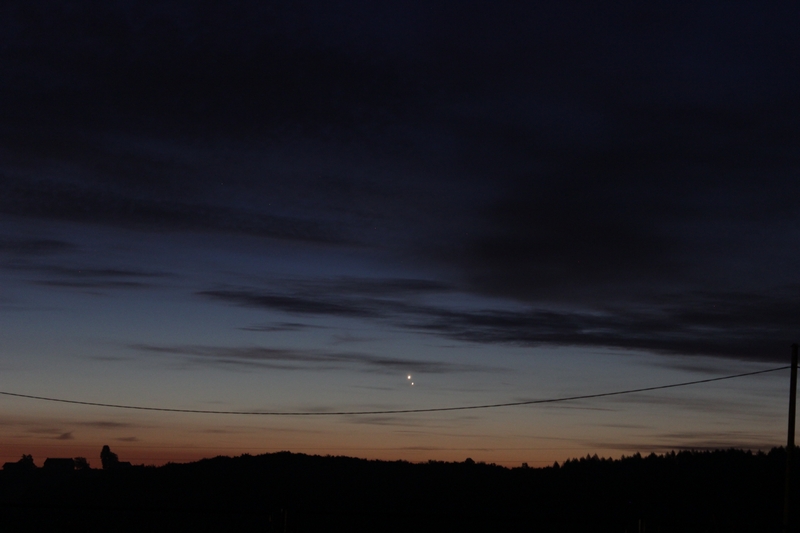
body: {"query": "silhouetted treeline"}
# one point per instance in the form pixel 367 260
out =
pixel 715 491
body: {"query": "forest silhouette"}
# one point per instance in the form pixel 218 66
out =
pixel 688 491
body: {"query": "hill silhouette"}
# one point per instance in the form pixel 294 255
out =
pixel 689 491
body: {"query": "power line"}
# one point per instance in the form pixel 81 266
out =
pixel 393 411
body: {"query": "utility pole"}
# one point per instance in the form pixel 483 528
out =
pixel 790 439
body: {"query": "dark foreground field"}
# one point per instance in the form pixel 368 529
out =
pixel 719 491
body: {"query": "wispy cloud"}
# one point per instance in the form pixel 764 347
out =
pixel 392 420
pixel 82 277
pixel 88 203
pixel 688 440
pixel 692 404
pixel 90 272
pixel 50 432
pixel 727 324
pixel 105 424
pixel 306 303
pixel 281 326
pixel 34 247
pixel 345 297
pixel 96 284
pixel 288 359
pixel 348 338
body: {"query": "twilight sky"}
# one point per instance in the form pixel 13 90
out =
pixel 296 205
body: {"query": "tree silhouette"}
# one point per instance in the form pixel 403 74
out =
pixel 108 458
pixel 25 464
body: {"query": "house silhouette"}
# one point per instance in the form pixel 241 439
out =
pixel 59 464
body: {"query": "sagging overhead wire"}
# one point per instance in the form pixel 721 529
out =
pixel 394 411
